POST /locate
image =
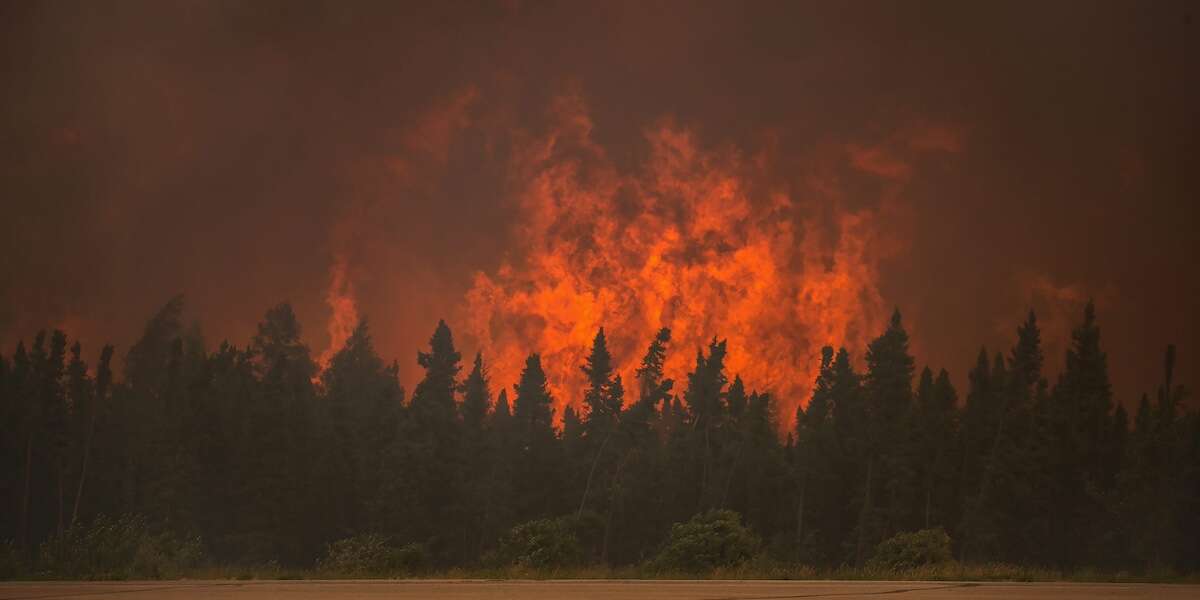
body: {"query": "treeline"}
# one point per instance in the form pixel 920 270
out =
pixel 267 458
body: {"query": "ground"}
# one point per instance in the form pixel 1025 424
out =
pixel 585 590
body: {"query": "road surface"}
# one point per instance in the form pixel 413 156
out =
pixel 585 590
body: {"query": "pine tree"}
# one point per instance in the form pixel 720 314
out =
pixel 435 440
pixel 476 400
pixel 886 490
pixel 1000 525
pixel 600 414
pixel 705 397
pixel 600 420
pixel 653 388
pixel 1152 488
pixel 360 420
pixel 642 521
pixel 1081 414
pixel 504 450
pixel 538 470
pixel 283 435
pixel 814 463
pixel 476 459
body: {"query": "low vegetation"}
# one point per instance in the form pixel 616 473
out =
pixel 123 548
pixel 372 555
pixel 711 545
pixel 709 541
pixel 912 550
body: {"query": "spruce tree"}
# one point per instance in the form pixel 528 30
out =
pixel 434 438
pixel 538 469
pixel 887 493
pixel 1081 410
pixel 707 413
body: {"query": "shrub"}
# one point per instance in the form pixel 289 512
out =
pixel 12 563
pixel 912 549
pixel 544 543
pixel 371 554
pixel 123 548
pixel 708 541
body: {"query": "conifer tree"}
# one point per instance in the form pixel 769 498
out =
pixel 1081 410
pixel 705 397
pixel 434 436
pixel 283 436
pixel 886 490
pixel 538 470
pixel 360 420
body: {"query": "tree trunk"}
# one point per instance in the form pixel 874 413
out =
pixel 612 506
pixel 607 529
pixel 87 451
pixel 588 487
pixel 737 459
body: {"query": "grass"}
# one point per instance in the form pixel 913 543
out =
pixel 754 570
pixel 761 568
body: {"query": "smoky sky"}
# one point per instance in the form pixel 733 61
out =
pixel 229 151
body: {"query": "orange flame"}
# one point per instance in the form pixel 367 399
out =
pixel 340 299
pixel 691 242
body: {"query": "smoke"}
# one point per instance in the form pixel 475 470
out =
pixel 802 169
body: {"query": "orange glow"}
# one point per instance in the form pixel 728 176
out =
pixel 340 299
pixel 693 240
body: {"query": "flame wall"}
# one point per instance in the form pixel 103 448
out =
pixel 691 239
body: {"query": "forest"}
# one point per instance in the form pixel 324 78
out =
pixel 255 454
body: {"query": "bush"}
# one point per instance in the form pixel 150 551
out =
pixel 123 548
pixel 544 543
pixel 372 554
pixel 708 541
pixel 912 549
pixel 12 563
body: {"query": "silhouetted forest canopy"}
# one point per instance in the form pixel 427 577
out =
pixel 254 454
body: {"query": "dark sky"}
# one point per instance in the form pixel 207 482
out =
pixel 230 150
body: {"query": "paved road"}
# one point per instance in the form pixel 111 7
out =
pixel 585 590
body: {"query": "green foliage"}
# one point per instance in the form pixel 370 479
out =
pixel 274 460
pixel 124 548
pixel 12 563
pixel 371 554
pixel 909 550
pixel 709 540
pixel 539 544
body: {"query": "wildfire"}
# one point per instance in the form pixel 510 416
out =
pixel 773 256
pixel 688 241
pixel 344 318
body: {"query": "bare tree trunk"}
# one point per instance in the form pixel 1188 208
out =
pixel 611 507
pixel 737 458
pixel 587 488
pixel 87 451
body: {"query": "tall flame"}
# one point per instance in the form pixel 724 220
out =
pixel 694 241
pixel 344 318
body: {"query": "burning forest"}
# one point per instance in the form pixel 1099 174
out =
pixel 522 288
